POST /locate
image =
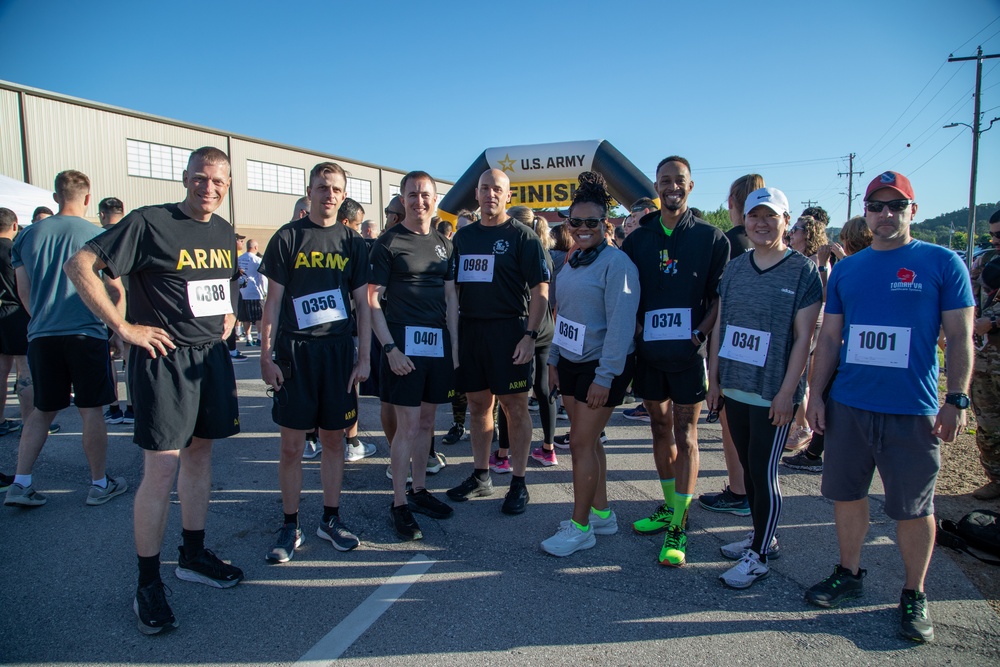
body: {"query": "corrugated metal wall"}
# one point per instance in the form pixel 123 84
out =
pixel 11 158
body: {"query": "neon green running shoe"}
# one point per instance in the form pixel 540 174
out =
pixel 674 547
pixel 657 522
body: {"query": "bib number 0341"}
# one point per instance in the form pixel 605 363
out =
pixel 745 345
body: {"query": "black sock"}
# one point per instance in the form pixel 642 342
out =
pixel 329 513
pixel 149 569
pixel 354 441
pixel 431 453
pixel 292 518
pixel 737 495
pixel 517 482
pixel 501 458
pixel 482 475
pixel 194 542
pixel 128 407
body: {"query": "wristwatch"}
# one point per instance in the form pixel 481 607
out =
pixel 960 401
pixel 699 335
pixel 532 333
pixel 388 347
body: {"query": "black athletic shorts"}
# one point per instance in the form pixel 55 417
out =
pixel 686 387
pixel 315 394
pixel 485 356
pixel 575 380
pixel 433 379
pixel 250 310
pixel 13 331
pixel 61 365
pixel 191 392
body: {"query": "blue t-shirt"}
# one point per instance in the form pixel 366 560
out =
pixel 887 297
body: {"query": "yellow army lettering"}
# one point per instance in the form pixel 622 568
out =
pixel 320 260
pixel 199 258
pixel 351 415
pixel 520 384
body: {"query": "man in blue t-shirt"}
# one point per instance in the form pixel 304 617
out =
pixel 885 307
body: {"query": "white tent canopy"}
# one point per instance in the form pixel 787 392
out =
pixel 23 198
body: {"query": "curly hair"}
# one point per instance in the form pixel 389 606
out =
pixel 855 236
pixel 815 233
pixel 593 189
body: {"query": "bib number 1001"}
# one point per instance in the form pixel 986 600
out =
pixel 746 341
pixel 870 340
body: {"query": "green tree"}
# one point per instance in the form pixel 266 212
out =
pixel 959 240
pixel 719 218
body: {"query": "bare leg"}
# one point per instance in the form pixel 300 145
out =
pixel 194 483
pixel 331 468
pixel 589 474
pixel 408 436
pixel 388 415
pixel 852 526
pixel 481 432
pixel 293 443
pixel 734 469
pixel 95 440
pixel 33 436
pixel 25 388
pixel 916 543
pixel 686 437
pixel 515 407
pixel 152 500
pixel 661 423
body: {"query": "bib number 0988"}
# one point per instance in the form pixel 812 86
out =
pixel 475 264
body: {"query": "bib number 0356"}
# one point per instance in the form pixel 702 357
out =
pixel 319 308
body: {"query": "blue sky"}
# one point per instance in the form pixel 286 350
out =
pixel 786 89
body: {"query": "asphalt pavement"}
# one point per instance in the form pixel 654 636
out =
pixel 477 590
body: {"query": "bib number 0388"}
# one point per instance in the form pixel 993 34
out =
pixel 209 297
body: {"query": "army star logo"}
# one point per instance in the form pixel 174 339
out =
pixel 506 164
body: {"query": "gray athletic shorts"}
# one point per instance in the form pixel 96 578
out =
pixel 902 447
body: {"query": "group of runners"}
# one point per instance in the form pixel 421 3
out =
pixel 669 314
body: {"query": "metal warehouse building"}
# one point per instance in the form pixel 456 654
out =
pixel 139 159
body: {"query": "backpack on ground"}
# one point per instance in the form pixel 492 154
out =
pixel 979 529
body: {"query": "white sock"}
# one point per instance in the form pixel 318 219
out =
pixel 102 482
pixel 23 480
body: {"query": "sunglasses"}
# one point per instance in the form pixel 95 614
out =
pixel 896 205
pixel 995 235
pixel 592 223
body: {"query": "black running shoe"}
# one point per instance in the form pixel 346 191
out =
pixel 472 487
pixel 206 568
pixel 151 608
pixel 837 588
pixel 422 502
pixel 914 624
pixel 454 434
pixel 516 501
pixel 405 525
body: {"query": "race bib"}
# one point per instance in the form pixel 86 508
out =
pixel 569 335
pixel 319 308
pixel 209 297
pixel 424 342
pixel 667 324
pixel 476 269
pixel 748 346
pixel 879 346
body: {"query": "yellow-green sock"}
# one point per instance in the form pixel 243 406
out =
pixel 668 491
pixel 604 514
pixel 583 529
pixel 682 501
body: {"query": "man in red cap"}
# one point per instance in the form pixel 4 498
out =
pixel 885 306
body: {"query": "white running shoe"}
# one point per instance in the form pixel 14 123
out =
pixel 735 550
pixel 748 570
pixel 568 540
pixel 362 450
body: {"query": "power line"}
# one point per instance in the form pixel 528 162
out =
pixel 981 30
pixel 915 97
pixel 957 135
pixel 935 126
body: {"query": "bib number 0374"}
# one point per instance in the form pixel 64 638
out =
pixel 667 324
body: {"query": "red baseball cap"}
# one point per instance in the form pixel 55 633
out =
pixel 892 180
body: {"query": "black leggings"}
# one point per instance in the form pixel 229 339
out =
pixel 546 406
pixel 759 445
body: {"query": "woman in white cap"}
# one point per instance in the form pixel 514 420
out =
pixel 768 303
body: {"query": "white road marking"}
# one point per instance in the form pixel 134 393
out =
pixel 338 640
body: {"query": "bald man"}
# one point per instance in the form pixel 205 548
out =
pixel 503 293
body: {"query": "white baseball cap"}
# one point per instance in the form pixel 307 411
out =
pixel 773 198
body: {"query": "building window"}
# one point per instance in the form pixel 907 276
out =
pixel 268 177
pixel 359 190
pixel 156 160
pixel 393 190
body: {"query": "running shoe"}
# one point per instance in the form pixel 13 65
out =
pixel 561 413
pixel 568 540
pixel 516 500
pixel 312 450
pixel 803 461
pixel 532 404
pixel 289 539
pixel 9 426
pixel 238 356
pixel 362 450
pixel 454 434
pixel 914 623
pixel 472 487
pixel 19 496
pixel 128 416
pixel 388 473
pixel 435 462
pixel 422 502
pixel 207 568
pixel 726 502
pixel 734 551
pixel 114 416
pixel 336 533
pixel 547 457
pixel 561 441
pixel 5 481
pixel 600 526
pixel 499 465
pixel 837 588
pixel 151 608
pixel 54 428
pixel 798 438
pixel 748 570
pixel 638 413
pixel 406 527
pixel 98 496
pixel 657 522
pixel 673 553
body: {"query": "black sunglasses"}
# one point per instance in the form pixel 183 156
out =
pixel 896 205
pixel 592 223
pixel 389 211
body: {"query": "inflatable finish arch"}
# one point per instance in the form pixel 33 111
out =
pixel 545 175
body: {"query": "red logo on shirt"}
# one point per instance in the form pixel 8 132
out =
pixel 906 275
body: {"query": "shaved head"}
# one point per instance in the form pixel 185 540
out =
pixel 493 195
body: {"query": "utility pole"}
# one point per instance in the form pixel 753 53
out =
pixel 979 58
pixel 850 173
pixel 809 202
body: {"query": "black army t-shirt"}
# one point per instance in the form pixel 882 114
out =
pixel 413 268
pixel 179 270
pixel 496 267
pixel 319 267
